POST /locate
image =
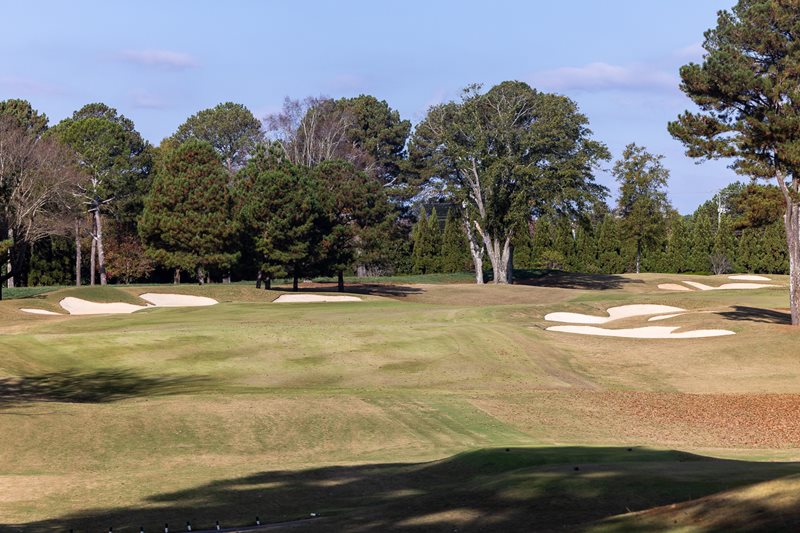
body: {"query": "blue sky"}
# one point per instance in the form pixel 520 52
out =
pixel 159 62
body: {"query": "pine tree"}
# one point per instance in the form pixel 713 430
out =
pixel 723 252
pixel 419 237
pixel 702 242
pixel 287 213
pixel 609 258
pixel 187 220
pixel 433 256
pixel 454 255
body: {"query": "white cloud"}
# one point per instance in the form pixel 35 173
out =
pixel 346 82
pixel 147 100
pixel 160 58
pixel 693 51
pixel 605 77
pixel 23 87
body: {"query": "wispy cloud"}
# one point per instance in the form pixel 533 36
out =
pixel 606 77
pixel 167 59
pixel 346 82
pixel 23 87
pixel 147 100
pixel 693 51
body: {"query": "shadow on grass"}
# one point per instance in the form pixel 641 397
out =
pixel 571 280
pixel 504 489
pixel 101 386
pixel 757 314
pixel 372 289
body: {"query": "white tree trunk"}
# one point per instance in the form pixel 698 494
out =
pixel 792 220
pixel 93 258
pixel 792 223
pixel 101 256
pixel 10 281
pixel 77 253
pixel 476 251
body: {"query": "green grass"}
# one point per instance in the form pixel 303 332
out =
pixel 448 407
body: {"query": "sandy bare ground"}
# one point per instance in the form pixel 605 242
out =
pixel 177 300
pixel 673 287
pixel 78 306
pixel 38 311
pixel 314 298
pixel 614 313
pixel 646 332
pixel 727 286
pixel 749 277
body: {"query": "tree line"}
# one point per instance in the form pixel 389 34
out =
pixel 336 186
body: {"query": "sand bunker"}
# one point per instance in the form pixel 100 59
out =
pixel 749 277
pixel 673 287
pixel 727 286
pixel 647 332
pixel 614 313
pixel 77 306
pixel 38 311
pixel 177 300
pixel 663 317
pixel 313 298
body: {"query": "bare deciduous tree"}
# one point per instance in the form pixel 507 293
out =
pixel 37 179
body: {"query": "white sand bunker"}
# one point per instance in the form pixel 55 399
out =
pixel 38 311
pixel 313 298
pixel 647 332
pixel 727 286
pixel 614 313
pixel 673 287
pixel 77 306
pixel 723 287
pixel 177 300
pixel 749 277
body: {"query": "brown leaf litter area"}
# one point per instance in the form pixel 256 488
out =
pixel 724 420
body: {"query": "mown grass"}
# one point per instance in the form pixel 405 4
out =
pixel 390 414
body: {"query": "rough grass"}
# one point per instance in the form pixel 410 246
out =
pixel 425 407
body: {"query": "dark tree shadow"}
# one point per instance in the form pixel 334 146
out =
pixel 101 386
pixel 505 489
pixel 372 289
pixel 571 280
pixel 757 314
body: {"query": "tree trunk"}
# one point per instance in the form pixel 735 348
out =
pixel 638 255
pixel 294 281
pixel 476 251
pixel 361 271
pixel 792 222
pixel 201 277
pixel 77 254
pixel 501 257
pixel 268 283
pixel 9 269
pixel 259 277
pixel 92 258
pixel 176 277
pixel 226 278
pixel 101 256
pixel 340 286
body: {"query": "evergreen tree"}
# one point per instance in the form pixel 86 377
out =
pixel 187 219
pixel 454 255
pixel 286 211
pixel 427 243
pixel 723 252
pixel 702 242
pixel 642 204
pixel 609 258
pixel 678 246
